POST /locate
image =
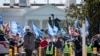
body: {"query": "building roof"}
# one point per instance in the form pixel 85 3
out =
pixel 46 9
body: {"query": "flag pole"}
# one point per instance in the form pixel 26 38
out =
pixel 83 40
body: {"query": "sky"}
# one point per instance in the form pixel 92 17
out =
pixel 37 1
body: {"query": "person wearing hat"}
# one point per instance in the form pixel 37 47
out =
pixel 29 42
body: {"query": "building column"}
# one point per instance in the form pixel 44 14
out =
pixel 12 3
pixel 26 22
pixel 41 23
pixel 28 3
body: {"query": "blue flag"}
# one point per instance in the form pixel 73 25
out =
pixel 86 26
pixel 63 32
pixel 76 23
pixel 55 30
pixel 1 20
pixel 20 30
pixel 36 30
pixel 50 30
pixel 14 27
pixel 86 22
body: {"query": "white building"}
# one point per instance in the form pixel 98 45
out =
pixel 69 2
pixel 25 15
pixel 82 1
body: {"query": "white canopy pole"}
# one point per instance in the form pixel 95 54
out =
pixel 83 40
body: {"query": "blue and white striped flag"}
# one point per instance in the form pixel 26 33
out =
pixel 20 30
pixel 55 30
pixel 14 27
pixel 50 30
pixel 36 30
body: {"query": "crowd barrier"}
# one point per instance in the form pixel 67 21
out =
pixel 39 53
pixel 10 52
pixel 94 53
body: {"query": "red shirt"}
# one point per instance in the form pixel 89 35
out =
pixel 43 43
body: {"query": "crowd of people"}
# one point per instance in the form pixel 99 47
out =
pixel 63 44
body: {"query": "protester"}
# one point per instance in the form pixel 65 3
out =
pixel 58 44
pixel 43 42
pixel 56 23
pixel 12 44
pixel 97 43
pixel 29 43
pixel 50 49
pixel 43 45
pixel 77 48
pixel 89 49
pixel 37 43
pixel 50 22
pixel 66 49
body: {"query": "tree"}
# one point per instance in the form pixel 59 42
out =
pixel 93 11
pixel 90 9
pixel 76 11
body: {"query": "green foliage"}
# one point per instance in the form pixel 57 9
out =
pixel 75 11
pixel 1 32
pixel 79 11
pixel 93 10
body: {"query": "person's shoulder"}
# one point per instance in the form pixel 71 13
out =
pixel 28 34
pixel 32 33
